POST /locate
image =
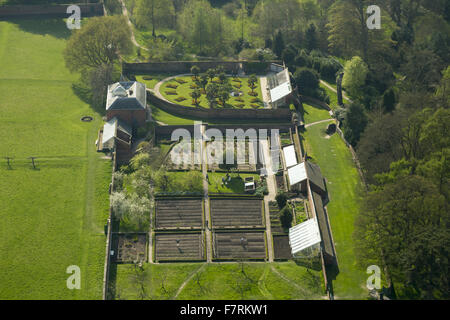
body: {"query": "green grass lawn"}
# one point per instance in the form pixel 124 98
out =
pixel 236 185
pixel 332 95
pixel 52 217
pixel 151 80
pixel 344 187
pixel 168 118
pixel 184 90
pixel 221 281
pixel 313 114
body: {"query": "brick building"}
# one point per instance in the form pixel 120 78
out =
pixel 127 101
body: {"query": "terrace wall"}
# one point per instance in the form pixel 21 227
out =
pixel 282 115
pixel 185 66
pixel 55 10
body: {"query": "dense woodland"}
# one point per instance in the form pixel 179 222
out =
pixel 398 82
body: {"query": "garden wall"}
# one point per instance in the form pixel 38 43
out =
pixel 165 132
pixel 181 67
pixel 282 115
pixel 56 10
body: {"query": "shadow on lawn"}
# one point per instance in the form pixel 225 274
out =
pixel 55 27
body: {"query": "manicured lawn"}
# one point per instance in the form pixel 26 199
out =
pixel 151 80
pixel 344 187
pixel 171 275
pixel 52 217
pixel 221 281
pixel 236 185
pixel 184 90
pixel 314 114
pixel 169 119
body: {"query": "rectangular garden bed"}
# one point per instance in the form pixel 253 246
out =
pixel 129 247
pixel 281 247
pixel 239 245
pixel 178 213
pixel 179 247
pixel 236 213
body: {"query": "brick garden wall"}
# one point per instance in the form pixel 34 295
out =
pixel 181 67
pixel 282 115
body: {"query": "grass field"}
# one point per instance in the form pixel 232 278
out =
pixel 52 217
pixel 236 185
pixel 344 187
pixel 332 95
pixel 314 114
pixel 151 80
pixel 184 90
pixel 221 281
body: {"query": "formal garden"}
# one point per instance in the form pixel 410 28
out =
pixel 213 89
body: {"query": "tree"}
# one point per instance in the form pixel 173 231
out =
pixel 195 70
pixel 278 44
pixel 355 123
pixel 379 145
pixel 196 94
pixel 223 93
pixel 306 79
pixel 252 80
pixel 348 32
pixel 203 28
pixel 212 91
pixel 203 81
pixel 286 217
pixel 403 226
pixel 100 42
pixel 311 37
pixel 355 74
pixel 99 79
pixel 281 199
pixel 154 13
pixel 211 74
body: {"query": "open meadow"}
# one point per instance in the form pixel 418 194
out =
pixel 52 216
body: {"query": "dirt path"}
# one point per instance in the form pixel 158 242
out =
pixel 187 280
pixel 205 190
pixel 262 284
pixel 271 187
pixel 318 122
pixel 125 14
pixel 335 91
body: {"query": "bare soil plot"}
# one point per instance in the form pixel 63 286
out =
pixel 178 214
pixel 129 247
pixel 239 245
pixel 281 247
pixel 179 247
pixel 236 213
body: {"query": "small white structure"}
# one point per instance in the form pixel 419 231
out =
pixel 114 130
pixel 297 174
pixel 290 157
pixel 305 239
pixel 279 87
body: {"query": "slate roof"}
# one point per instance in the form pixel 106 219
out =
pixel 126 96
pixel 325 232
pixel 315 175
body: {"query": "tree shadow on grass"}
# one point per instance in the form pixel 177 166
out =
pixel 55 27
pixel 84 94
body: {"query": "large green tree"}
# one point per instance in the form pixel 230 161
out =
pixel 100 42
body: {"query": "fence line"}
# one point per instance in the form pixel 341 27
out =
pixel 109 236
